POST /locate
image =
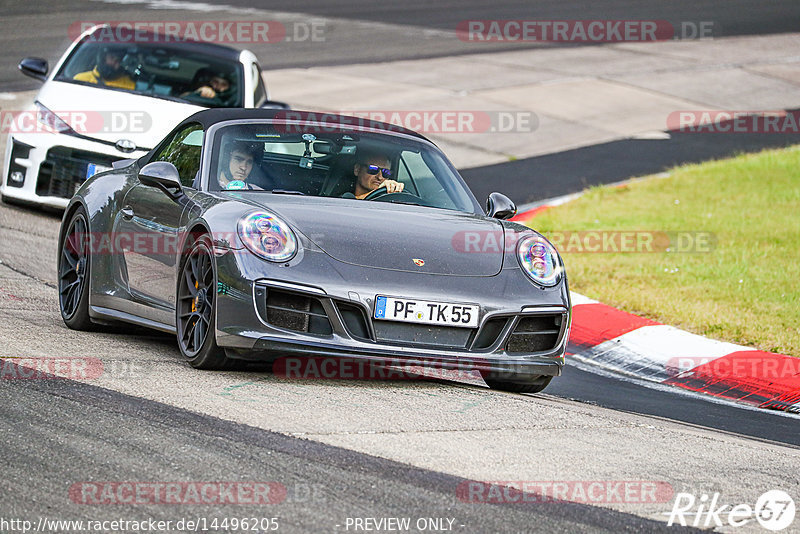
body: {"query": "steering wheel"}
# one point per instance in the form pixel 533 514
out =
pixel 383 195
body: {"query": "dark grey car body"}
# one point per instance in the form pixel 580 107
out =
pixel 349 252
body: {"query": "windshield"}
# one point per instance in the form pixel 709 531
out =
pixel 156 70
pixel 268 158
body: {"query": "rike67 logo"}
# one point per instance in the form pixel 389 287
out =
pixel 774 510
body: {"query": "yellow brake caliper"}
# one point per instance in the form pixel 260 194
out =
pixel 194 300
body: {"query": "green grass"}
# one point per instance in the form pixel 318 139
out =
pixel 745 290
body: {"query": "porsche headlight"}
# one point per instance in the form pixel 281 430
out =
pixel 267 236
pixel 539 259
pixel 50 120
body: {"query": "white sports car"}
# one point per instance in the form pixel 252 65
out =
pixel 109 101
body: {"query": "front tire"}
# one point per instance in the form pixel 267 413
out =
pixel 195 309
pixel 74 263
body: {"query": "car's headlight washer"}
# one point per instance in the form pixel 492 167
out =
pixel 539 259
pixel 267 236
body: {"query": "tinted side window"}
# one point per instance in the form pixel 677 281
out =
pixel 183 151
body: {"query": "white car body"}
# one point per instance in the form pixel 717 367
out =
pixel 45 168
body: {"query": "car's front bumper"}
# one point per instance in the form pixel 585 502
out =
pixel 336 289
pixel 46 168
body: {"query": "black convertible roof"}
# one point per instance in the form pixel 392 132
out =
pixel 212 116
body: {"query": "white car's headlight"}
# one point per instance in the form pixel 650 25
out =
pixel 267 236
pixel 50 120
pixel 539 259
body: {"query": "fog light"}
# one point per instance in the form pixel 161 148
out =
pixel 16 177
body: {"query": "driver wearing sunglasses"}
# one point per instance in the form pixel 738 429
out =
pixel 373 172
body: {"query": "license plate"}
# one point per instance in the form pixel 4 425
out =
pixel 426 312
pixel 93 169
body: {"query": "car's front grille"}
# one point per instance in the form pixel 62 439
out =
pixel 64 170
pixel 420 334
pixel 535 333
pixel 296 311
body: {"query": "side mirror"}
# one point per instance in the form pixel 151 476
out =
pixel 35 67
pixel 163 175
pixel 500 206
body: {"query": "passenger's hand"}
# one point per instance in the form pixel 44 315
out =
pixel 392 186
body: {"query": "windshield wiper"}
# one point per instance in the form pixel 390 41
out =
pixel 286 192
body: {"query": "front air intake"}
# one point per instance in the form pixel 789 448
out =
pixel 536 333
pixel 355 320
pixel 296 311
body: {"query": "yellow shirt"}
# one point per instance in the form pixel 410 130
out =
pixel 92 76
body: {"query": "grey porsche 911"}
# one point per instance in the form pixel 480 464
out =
pixel 257 234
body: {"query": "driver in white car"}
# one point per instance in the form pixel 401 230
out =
pixel 108 70
pixel 373 172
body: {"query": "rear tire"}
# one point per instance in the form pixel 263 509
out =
pixel 74 264
pixel 196 309
pixel 534 386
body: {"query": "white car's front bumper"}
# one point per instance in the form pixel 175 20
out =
pixel 52 166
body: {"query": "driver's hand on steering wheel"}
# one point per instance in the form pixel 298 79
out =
pixel 392 186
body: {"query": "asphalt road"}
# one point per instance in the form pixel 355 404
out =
pixel 396 31
pixel 374 450
pixel 32 254
pixel 735 17
pixel 584 386
pixel 552 175
pixel 365 31
pixel 88 434
pixel 385 449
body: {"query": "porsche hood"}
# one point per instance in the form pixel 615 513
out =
pixel 399 237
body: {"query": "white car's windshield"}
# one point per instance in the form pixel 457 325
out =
pixel 160 70
pixel 339 163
